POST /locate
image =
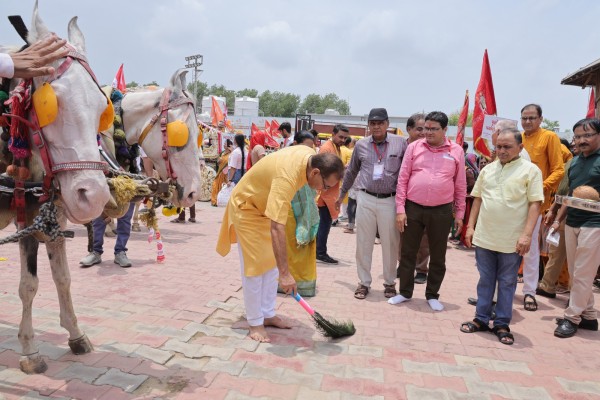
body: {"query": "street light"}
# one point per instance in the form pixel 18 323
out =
pixel 195 61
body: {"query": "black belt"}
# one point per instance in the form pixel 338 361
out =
pixel 379 195
pixel 428 207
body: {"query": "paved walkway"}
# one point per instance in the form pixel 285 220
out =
pixel 164 331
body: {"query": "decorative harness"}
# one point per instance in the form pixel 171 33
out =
pixel 20 101
pixel 163 113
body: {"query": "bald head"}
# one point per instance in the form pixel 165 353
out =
pixel 500 126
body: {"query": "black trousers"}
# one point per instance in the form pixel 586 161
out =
pixel 438 222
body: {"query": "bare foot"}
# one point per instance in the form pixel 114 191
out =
pixel 259 333
pixel 277 322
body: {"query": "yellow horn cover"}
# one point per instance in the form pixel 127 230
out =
pixel 45 104
pixel 107 117
pixel 177 133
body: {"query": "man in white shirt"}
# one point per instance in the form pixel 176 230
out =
pixel 34 60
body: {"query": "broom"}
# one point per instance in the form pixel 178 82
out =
pixel 333 329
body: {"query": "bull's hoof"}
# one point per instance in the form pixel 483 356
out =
pixel 33 364
pixel 81 345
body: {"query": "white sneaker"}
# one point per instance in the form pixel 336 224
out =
pixel 91 259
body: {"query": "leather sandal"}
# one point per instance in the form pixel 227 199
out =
pixel 530 305
pixel 476 326
pixel 361 292
pixel 389 291
pixel 503 334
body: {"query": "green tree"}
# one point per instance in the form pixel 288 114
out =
pixel 247 92
pixel 278 104
pixel 550 125
pixel 132 84
pixel 316 104
pixel 199 90
pixel 153 83
pixel 222 91
pixel 453 118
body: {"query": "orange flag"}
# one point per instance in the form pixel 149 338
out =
pixel 485 104
pixel 216 113
pixel 462 121
pixel 591 113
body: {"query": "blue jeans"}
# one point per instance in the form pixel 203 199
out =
pixel 323 232
pixel 495 267
pixel 123 231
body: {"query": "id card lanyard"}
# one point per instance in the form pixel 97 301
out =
pixel 378 168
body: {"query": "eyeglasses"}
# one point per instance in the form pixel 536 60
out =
pixel 325 187
pixel 584 136
pixel 528 118
pixel 431 129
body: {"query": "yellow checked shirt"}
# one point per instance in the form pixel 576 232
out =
pixel 505 193
pixel 264 194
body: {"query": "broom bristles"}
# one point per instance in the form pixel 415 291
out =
pixel 333 329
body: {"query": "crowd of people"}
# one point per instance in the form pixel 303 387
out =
pixel 411 195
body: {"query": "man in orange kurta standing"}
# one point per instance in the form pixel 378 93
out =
pixel 543 146
pixel 327 198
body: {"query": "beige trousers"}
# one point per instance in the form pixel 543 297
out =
pixel 373 214
pixel 583 256
pixel 556 259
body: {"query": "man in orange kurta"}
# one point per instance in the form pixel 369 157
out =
pixel 327 198
pixel 544 148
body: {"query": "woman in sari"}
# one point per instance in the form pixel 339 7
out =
pixel 221 177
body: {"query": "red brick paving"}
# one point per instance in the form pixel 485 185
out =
pixel 398 351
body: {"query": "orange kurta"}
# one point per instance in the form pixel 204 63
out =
pixel 544 148
pixel 328 197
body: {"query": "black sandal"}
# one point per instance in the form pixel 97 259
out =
pixel 476 326
pixel 503 334
pixel 530 305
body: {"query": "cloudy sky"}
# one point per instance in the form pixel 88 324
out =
pixel 406 56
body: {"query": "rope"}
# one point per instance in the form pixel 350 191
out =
pixel 45 222
pixel 125 188
pixel 117 172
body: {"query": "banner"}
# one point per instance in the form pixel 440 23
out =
pixel 591 113
pixel 489 123
pixel 485 104
pixel 462 121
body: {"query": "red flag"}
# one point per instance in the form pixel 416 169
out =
pixel 267 127
pixel 462 121
pixel 119 81
pixel 591 113
pixel 485 104
pixel 253 129
pixel 275 129
pixel 216 113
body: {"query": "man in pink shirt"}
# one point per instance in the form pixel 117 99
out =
pixel 431 183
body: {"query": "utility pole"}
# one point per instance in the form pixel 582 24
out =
pixel 195 61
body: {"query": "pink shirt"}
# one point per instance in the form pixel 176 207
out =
pixel 432 176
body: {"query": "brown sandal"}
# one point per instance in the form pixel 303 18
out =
pixel 389 291
pixel 361 292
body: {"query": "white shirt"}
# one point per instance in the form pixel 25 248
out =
pixel 235 159
pixel 7 67
pixel 524 155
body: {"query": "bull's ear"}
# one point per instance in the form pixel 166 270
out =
pixel 76 37
pixel 38 28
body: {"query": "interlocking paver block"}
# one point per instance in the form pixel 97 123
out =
pixel 309 394
pixel 53 351
pixel 254 371
pixel 194 364
pixel 187 349
pixel 372 351
pixel 416 367
pixel 375 374
pixel 230 332
pixel 233 395
pixel 11 376
pixel 229 367
pixel 579 387
pixel 207 330
pixel 468 396
pixel 476 361
pixel 33 395
pixel 520 392
pixel 127 382
pixel 124 349
pixel 297 378
pixel 150 353
pixel 491 388
pixel 314 367
pixel 417 393
pixel 279 350
pixel 221 305
pixel 179 334
pixel 511 366
pixel 82 372
pixel 241 344
pixel 464 371
pixel 330 349
pixel 351 396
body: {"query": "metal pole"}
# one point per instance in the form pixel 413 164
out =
pixel 195 61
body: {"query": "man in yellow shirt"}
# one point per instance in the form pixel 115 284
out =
pixel 508 194
pixel 544 148
pixel 255 218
